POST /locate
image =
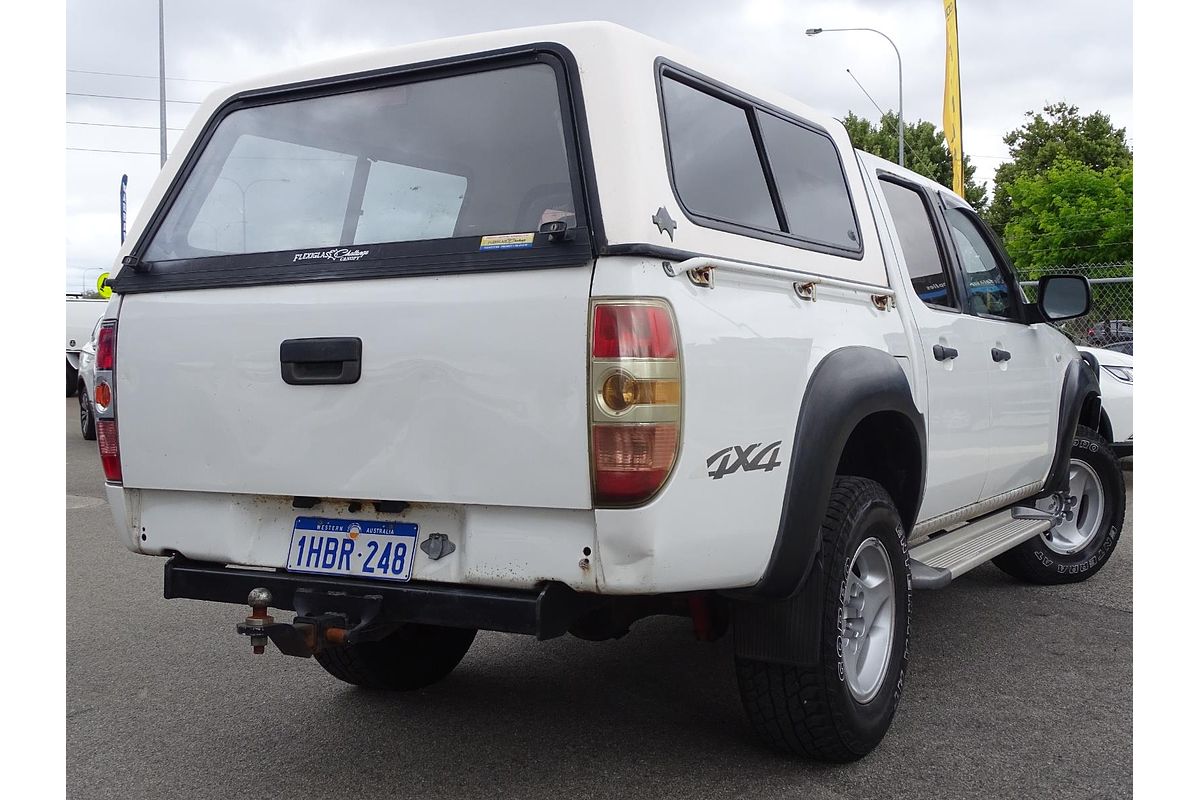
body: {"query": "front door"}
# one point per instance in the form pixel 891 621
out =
pixel 1019 360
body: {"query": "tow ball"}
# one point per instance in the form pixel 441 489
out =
pixel 256 624
pixel 310 632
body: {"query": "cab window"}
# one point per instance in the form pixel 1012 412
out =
pixel 989 285
pixel 922 256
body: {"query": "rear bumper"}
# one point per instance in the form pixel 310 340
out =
pixel 649 550
pixel 500 546
pixel 545 612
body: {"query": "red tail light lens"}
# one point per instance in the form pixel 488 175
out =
pixel 632 461
pixel 633 331
pixel 106 344
pixel 105 400
pixel 110 449
pixel 636 402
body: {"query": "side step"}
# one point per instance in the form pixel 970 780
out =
pixel 943 558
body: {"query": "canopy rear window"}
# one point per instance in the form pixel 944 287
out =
pixel 469 155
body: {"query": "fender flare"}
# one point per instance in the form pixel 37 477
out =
pixel 847 386
pixel 1079 405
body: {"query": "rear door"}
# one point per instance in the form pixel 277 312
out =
pixel 957 414
pixel 346 294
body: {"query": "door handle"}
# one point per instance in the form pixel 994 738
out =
pixel 941 353
pixel 327 360
pixel 999 355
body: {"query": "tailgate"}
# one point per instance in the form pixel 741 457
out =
pixel 434 221
pixel 472 390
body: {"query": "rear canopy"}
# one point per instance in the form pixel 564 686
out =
pixel 609 116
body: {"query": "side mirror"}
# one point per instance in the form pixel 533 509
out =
pixel 1064 297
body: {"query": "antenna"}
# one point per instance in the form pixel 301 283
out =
pixel 907 146
pixel 864 91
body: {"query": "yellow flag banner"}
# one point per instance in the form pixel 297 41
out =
pixel 952 103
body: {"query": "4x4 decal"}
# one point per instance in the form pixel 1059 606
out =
pixel 748 459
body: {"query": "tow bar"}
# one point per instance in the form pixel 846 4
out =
pixel 371 610
pixel 312 631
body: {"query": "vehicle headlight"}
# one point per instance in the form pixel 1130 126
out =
pixel 1123 374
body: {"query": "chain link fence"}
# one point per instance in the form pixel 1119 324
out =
pixel 1111 317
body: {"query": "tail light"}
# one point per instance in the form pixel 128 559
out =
pixel 110 449
pixel 104 401
pixel 106 345
pixel 636 399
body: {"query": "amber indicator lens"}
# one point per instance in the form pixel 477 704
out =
pixel 621 390
pixel 103 395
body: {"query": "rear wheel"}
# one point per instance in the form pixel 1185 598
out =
pixel 1082 542
pixel 87 418
pixel 839 707
pixel 410 658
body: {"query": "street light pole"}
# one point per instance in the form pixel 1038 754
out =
pixel 162 90
pixel 899 68
pixel 244 192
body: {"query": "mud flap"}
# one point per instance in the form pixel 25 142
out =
pixel 784 631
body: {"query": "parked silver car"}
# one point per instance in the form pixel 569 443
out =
pixel 85 385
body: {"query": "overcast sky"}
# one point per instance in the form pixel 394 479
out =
pixel 1015 55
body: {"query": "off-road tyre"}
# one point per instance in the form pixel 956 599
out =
pixel 72 379
pixel 410 658
pixel 1034 561
pixel 809 710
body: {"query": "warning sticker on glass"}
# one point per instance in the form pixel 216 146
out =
pixel 506 241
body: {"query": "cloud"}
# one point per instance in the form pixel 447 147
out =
pixel 1015 56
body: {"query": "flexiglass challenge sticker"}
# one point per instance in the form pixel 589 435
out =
pixel 506 241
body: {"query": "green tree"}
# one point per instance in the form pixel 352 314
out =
pixel 1057 131
pixel 925 151
pixel 1070 213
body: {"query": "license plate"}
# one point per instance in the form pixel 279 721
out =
pixel 359 548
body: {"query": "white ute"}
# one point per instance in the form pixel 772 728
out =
pixel 82 316
pixel 548 330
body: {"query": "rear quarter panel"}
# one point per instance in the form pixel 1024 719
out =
pixel 748 349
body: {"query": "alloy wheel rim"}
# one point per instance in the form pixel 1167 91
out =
pixel 84 412
pixel 1086 498
pixel 867 620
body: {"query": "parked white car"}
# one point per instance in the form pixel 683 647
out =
pixel 82 316
pixel 1116 385
pixel 549 330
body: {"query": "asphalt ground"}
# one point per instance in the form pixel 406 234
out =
pixel 1012 691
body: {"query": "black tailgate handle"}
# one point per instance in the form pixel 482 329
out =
pixel 311 362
